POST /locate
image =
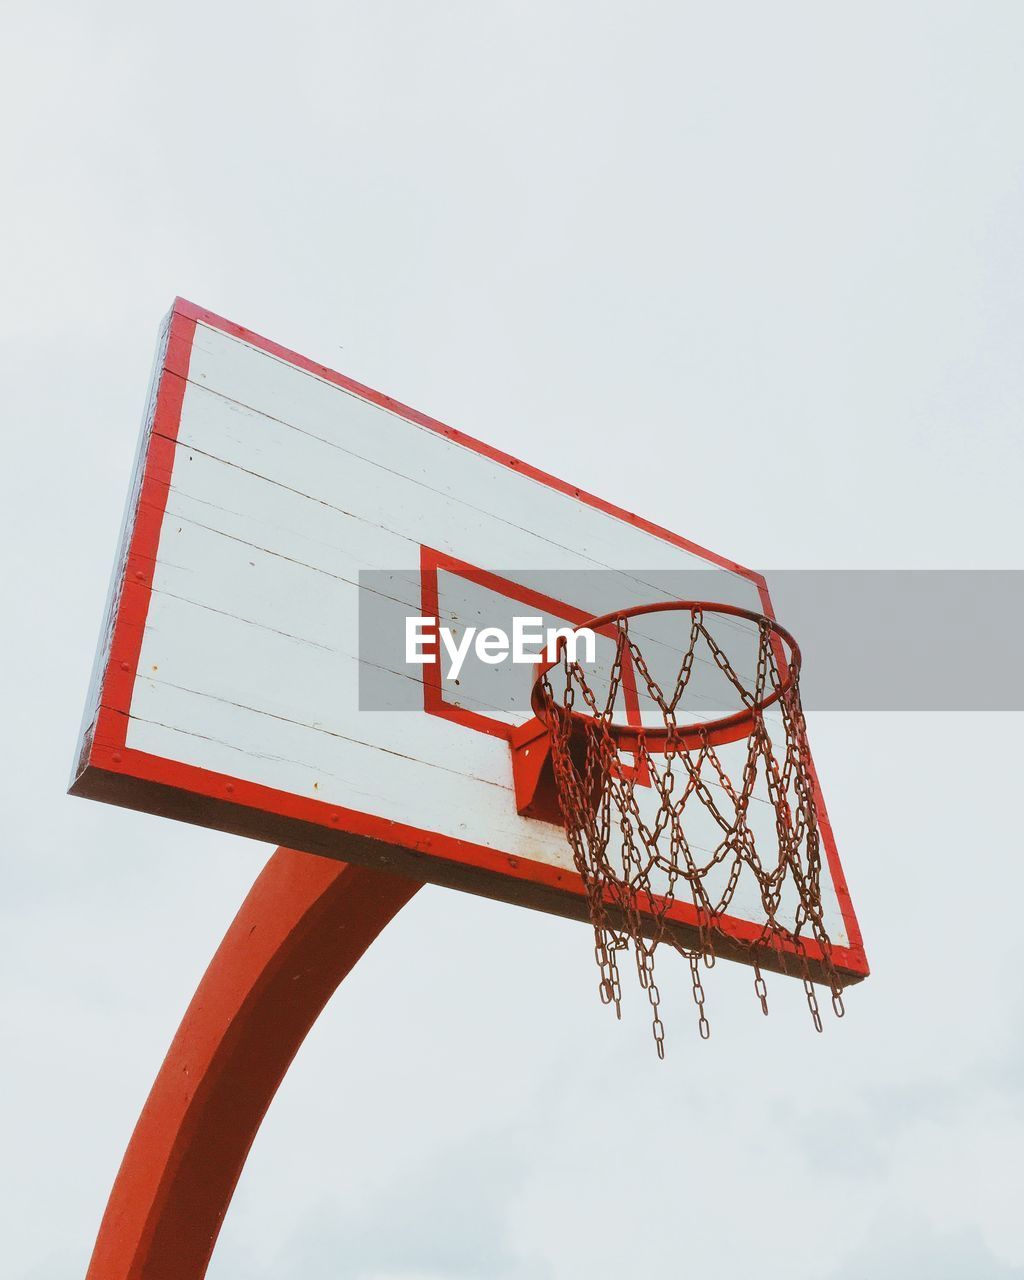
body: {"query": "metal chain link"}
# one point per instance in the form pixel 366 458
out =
pixel 634 869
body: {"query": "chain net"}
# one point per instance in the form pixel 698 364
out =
pixel 628 815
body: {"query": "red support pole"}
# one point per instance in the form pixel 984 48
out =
pixel 304 924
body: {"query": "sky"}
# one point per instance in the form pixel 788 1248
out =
pixel 751 270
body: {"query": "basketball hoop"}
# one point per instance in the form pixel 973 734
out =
pixel 633 797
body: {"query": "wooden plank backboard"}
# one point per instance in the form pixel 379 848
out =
pixel 275 504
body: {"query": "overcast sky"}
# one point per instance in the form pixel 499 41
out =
pixel 753 270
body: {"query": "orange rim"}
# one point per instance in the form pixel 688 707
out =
pixel 730 728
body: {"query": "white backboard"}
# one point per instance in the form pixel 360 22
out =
pixel 247 679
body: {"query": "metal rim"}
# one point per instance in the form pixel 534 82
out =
pixel 725 729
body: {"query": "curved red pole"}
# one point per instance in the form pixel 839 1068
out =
pixel 304 924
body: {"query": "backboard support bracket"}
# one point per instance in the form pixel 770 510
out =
pixel 533 772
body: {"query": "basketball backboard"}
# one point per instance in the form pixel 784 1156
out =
pixel 283 525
